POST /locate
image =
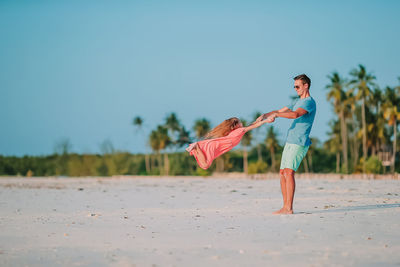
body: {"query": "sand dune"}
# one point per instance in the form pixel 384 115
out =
pixel 197 222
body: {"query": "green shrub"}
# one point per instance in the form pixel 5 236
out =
pixel 373 165
pixel 201 172
pixel 258 167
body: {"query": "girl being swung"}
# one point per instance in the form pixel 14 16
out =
pixel 220 140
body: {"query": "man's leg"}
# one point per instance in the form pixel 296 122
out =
pixel 288 186
pixel 290 189
pixel 283 186
pixel 283 189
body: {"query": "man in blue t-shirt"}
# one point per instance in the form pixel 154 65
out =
pixel 297 140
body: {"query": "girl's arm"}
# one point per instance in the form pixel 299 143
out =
pixel 256 124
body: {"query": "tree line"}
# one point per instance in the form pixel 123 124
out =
pixel 362 139
pixel 364 131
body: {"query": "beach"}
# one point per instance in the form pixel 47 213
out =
pixel 195 221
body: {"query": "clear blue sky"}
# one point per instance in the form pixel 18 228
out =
pixel 83 69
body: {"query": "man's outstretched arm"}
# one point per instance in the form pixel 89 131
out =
pixel 266 115
pixel 289 114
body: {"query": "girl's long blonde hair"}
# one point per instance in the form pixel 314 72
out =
pixel 223 129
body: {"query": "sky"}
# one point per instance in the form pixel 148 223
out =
pixel 82 70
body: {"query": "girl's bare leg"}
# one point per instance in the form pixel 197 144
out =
pixel 201 158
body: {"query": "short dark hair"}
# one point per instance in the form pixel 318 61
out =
pixel 304 79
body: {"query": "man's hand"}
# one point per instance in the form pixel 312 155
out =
pixel 260 118
pixel 270 119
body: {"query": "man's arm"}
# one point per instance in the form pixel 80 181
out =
pixel 266 115
pixel 289 114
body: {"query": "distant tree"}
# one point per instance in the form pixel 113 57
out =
pixel 107 147
pixel 159 140
pixel 333 144
pixel 271 142
pixel 183 137
pixel 363 82
pixel 62 149
pixel 175 130
pixel 201 127
pixel 314 145
pixel 391 108
pixel 172 123
pixel 257 134
pixel 376 122
pixel 138 124
pixel 338 96
pixel 355 134
pixel 246 142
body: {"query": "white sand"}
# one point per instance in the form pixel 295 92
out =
pixel 197 222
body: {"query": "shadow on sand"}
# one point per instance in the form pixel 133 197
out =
pixel 353 208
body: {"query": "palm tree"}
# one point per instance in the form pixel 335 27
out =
pixel 376 127
pixel 338 96
pixel 362 82
pixel 333 145
pixel 257 133
pixel 173 126
pixel 154 142
pixel 172 123
pixel 246 141
pixel 272 144
pixel 201 127
pixel 159 140
pixel 176 133
pixel 183 137
pixel 314 144
pixel 138 124
pixel 353 126
pixel 137 121
pixel 391 108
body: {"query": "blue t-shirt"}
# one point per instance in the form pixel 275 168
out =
pixel 300 129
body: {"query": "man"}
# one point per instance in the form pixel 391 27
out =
pixel 297 140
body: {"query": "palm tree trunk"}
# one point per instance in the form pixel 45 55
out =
pixel 259 152
pixel 355 147
pixel 343 130
pixel 337 162
pixel 160 163
pixel 220 164
pixel 309 157
pixel 394 145
pixel 147 163
pixel 373 150
pixel 305 164
pixel 272 150
pixel 166 164
pixel 364 126
pixel 245 162
pixel 152 162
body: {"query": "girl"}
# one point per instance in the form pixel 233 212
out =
pixel 220 140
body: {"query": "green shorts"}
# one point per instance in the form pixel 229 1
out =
pixel 292 156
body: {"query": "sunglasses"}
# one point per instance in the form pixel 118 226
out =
pixel 296 86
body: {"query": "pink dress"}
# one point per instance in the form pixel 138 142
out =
pixel 213 148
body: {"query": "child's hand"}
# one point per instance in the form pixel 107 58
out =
pixel 271 118
pixel 260 118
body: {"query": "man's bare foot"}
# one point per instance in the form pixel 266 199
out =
pixel 283 211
